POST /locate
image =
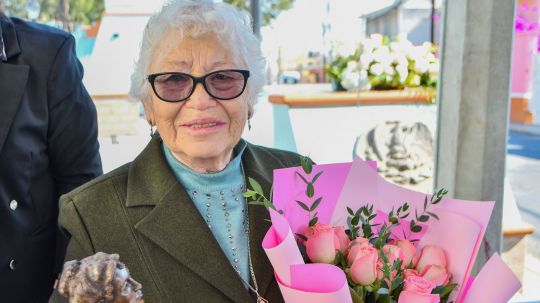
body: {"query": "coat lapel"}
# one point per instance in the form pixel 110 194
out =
pixel 12 80
pixel 258 216
pixel 175 224
pixel 12 85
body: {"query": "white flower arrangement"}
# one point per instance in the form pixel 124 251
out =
pixel 382 64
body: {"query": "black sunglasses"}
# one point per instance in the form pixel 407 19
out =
pixel 224 84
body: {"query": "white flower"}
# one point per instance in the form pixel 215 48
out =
pixel 378 69
pixel 400 59
pixel 382 55
pixel 377 39
pixel 421 65
pixel 354 78
pixel 403 72
pixel 351 65
pixel 365 60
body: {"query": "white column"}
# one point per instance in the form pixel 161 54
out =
pixel 474 105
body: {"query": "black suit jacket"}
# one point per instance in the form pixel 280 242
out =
pixel 48 146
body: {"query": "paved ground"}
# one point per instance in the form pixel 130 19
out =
pixel 523 172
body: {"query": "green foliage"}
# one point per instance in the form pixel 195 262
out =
pixel 270 9
pixel 335 69
pixel 80 11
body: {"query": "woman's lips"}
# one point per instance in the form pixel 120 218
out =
pixel 203 125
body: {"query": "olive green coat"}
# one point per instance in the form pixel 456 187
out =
pixel 141 212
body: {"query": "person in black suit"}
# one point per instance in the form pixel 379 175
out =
pixel 48 146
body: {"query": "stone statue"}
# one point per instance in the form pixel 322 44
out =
pixel 403 151
pixel 100 278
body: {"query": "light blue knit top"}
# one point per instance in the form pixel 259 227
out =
pixel 218 197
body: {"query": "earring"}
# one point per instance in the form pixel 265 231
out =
pixel 152 130
pixel 249 124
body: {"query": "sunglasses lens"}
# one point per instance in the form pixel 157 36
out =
pixel 225 84
pixel 173 87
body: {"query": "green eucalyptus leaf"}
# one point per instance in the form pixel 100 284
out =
pixel 315 204
pixel 255 186
pixel 366 211
pixel 307 165
pixel 313 221
pixel 355 220
pixel 433 215
pixel 301 237
pixel 310 190
pixel 302 177
pixel 350 211
pixel 316 177
pixel 423 218
pixel 416 229
pixel 303 205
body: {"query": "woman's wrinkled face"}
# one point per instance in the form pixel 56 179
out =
pixel 200 129
pixel 126 289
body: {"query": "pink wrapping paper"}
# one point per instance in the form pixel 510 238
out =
pixel 495 283
pixel 459 231
pixel 299 282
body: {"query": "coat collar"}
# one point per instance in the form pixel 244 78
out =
pixel 13 78
pixel 175 224
pixel 9 37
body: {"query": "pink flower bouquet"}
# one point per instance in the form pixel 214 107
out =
pixel 341 233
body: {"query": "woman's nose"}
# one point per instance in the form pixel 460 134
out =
pixel 200 99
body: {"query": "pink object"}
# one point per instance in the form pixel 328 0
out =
pixel 461 241
pixel 412 297
pixel 495 283
pixel 459 231
pixel 299 282
pixel 281 248
pixel 525 48
pixel 468 286
pixel 316 283
pixel 322 244
pixel 288 188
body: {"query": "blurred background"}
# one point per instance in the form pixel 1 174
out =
pixel 388 80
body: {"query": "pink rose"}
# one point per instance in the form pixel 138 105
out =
pixel 364 268
pixel 436 275
pixel 354 247
pixel 412 297
pixel 410 272
pixel 321 244
pixel 431 255
pixel 409 251
pixel 342 238
pixel 418 285
pixel 392 253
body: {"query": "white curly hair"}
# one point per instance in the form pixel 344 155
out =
pixel 188 18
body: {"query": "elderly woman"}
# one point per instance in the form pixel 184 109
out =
pixel 176 214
